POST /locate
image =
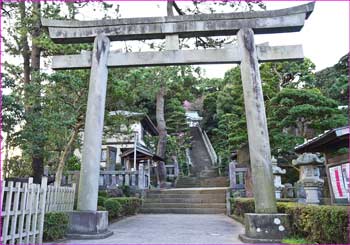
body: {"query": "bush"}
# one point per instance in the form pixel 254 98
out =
pixel 122 206
pixel 102 194
pixel 320 224
pixel 130 205
pixel 126 190
pixel 101 208
pixel 101 201
pixel 240 206
pixel 55 226
pixel 113 207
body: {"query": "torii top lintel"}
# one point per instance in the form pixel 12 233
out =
pixel 262 22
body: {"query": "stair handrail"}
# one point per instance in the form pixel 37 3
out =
pixel 209 146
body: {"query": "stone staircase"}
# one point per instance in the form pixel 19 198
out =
pixel 190 182
pixel 199 155
pixel 203 174
pixel 185 201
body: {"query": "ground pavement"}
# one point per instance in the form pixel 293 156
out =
pixel 172 229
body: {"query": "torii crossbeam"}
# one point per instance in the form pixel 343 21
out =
pixel 247 54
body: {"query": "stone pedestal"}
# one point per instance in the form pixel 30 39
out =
pixel 265 228
pixel 88 225
pixel 311 191
pixel 278 193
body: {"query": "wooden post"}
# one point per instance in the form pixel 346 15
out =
pixel 30 208
pixel 36 211
pixel 90 169
pixel 259 145
pixel 7 216
pixel 16 212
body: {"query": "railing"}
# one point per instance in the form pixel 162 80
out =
pixel 111 178
pixel 208 145
pixel 25 206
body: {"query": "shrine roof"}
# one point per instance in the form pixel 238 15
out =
pixel 329 141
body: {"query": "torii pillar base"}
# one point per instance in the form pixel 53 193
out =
pixel 265 228
pixel 85 225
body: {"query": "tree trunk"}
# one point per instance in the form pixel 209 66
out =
pixel 37 155
pixel 65 153
pixel 161 125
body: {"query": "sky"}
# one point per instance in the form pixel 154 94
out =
pixel 325 36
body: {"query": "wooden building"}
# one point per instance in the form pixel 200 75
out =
pixel 334 144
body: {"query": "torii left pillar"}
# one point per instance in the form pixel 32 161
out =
pixel 87 222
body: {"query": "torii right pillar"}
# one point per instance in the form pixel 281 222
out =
pixel 265 225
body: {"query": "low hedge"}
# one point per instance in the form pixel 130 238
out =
pixel 122 206
pixel 319 224
pixel 55 226
pixel 101 200
pixel 113 207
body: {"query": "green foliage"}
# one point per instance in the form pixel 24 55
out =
pixel 126 190
pixel 295 240
pixel 130 205
pixel 46 109
pixel 101 200
pixel 175 117
pixel 113 207
pixel 55 226
pixel 295 114
pixel 73 163
pixel 240 206
pixel 101 208
pixel 122 206
pixel 178 133
pixel 320 224
pixel 225 116
pixel 102 194
pixel 333 81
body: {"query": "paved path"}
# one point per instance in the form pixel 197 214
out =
pixel 172 229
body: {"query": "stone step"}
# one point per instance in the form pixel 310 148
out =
pixel 183 210
pixel 210 199
pixel 202 182
pixel 201 185
pixel 184 205
pixel 206 183
pixel 188 191
pixel 186 196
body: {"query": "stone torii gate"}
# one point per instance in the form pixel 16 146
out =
pixel 263 226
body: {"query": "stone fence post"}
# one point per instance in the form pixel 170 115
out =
pixel 141 177
pixel 232 173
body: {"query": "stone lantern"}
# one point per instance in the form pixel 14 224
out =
pixel 309 164
pixel 277 172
